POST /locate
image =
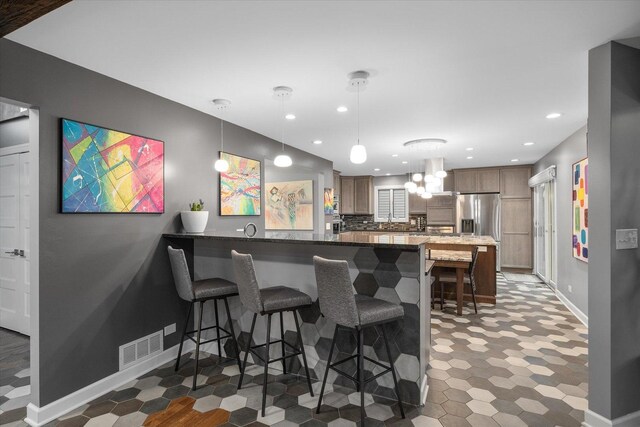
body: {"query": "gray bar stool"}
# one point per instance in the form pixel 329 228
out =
pixel 346 310
pixel 269 301
pixel 201 291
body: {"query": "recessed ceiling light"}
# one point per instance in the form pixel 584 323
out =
pixel 469 149
pixel 469 157
pixel 553 115
pixel 528 143
pixel 404 162
pixel 394 155
pixel 342 109
pixel 376 169
pixel 290 116
pixel 387 174
pixel 515 160
pixel 317 142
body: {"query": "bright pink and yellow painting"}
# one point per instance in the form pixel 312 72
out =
pixel 106 171
pixel 581 210
pixel 240 186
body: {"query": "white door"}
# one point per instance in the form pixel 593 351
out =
pixel 15 290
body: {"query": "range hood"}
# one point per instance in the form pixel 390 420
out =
pixel 433 168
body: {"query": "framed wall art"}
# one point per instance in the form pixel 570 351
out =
pixel 580 214
pixel 289 205
pixel 108 171
pixel 239 186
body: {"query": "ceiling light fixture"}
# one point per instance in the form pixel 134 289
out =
pixel 290 116
pixel 425 143
pixel 387 174
pixel 417 177
pixel 358 152
pixel 342 109
pixel 394 155
pixel 404 162
pixel 376 169
pixel 553 115
pixel 426 195
pixel 469 148
pixel 515 160
pixel 282 160
pixel 420 190
pixel 528 143
pixel 469 157
pixel 317 142
pixel 221 165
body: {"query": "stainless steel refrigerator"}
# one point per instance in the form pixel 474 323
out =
pixel 479 214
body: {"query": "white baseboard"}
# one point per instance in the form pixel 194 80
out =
pixel 591 419
pixel 38 416
pixel 575 310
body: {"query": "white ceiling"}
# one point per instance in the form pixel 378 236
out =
pixel 479 74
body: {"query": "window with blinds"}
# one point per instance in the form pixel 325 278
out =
pixel 391 202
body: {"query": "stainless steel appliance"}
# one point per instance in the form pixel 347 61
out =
pixel 479 215
pixel 440 229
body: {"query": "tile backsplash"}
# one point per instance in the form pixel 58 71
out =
pixel 366 223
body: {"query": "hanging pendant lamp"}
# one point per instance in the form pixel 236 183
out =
pixel 358 152
pixel 282 160
pixel 221 165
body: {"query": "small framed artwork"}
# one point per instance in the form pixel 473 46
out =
pixel 239 187
pixel 289 205
pixel 580 206
pixel 328 201
pixel 108 171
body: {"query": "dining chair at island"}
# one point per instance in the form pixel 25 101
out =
pixel 353 312
pixel 269 301
pixel 450 277
pixel 201 291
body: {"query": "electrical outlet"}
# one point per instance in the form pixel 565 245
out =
pixel 627 238
pixel 327 226
pixel 570 288
pixel 168 330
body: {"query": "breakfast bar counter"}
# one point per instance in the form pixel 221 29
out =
pixel 388 267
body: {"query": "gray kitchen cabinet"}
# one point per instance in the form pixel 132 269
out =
pixel 347 195
pixel 417 205
pixel 516 237
pixel 336 184
pixel 363 195
pixel 488 181
pixel 466 180
pixel 477 180
pixel 441 216
pixel 514 183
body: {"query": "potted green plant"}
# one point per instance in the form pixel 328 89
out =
pixel 195 219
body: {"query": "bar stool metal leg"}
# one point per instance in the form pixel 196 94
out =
pixel 195 369
pixel 233 333
pixel 215 302
pixel 284 360
pixel 247 351
pixel 393 370
pixel 266 365
pixel 361 375
pixel 326 371
pixel 184 332
pixel 304 356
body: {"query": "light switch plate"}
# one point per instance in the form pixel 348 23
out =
pixel 327 226
pixel 627 238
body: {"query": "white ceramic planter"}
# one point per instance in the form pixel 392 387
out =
pixel 194 221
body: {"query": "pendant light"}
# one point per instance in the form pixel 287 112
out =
pixel 221 165
pixel 358 152
pixel 282 160
pixel 410 185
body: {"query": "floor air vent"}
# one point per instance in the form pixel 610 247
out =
pixel 141 349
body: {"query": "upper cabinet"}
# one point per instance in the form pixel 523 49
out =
pixel 477 180
pixel 356 195
pixel 336 184
pixel 514 183
pixel 417 205
pixel 441 210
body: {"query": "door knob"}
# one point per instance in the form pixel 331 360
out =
pixel 14 252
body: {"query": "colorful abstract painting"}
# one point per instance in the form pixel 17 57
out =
pixel 581 210
pixel 289 205
pixel 106 171
pixel 328 201
pixel 240 186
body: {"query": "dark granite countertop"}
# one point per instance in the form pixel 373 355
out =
pixel 347 239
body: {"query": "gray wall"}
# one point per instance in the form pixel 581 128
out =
pixel 614 202
pixel 14 132
pixel 571 271
pixel 105 278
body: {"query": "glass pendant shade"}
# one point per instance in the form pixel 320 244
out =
pixel 409 185
pixel 417 177
pixel 441 174
pixel 420 190
pixel 282 161
pixel 429 178
pixel 221 165
pixel 358 154
pixel 426 195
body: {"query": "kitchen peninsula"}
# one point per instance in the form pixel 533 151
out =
pixel 389 267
